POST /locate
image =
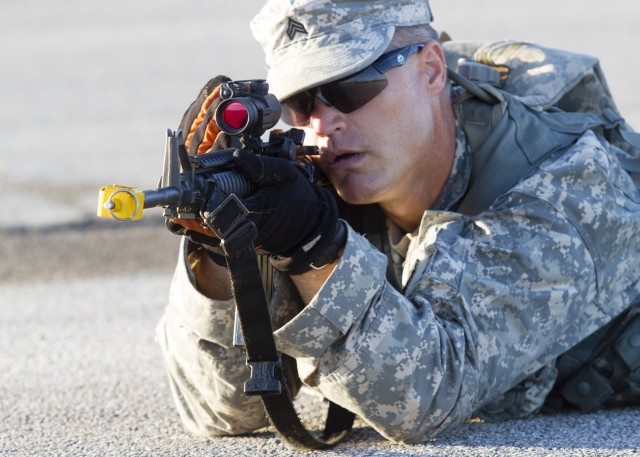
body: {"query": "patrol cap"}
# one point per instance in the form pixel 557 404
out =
pixel 312 42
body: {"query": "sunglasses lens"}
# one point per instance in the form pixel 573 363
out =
pixel 296 109
pixel 356 91
pixel 346 95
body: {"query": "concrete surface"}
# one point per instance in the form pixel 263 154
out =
pixel 80 372
pixel 87 91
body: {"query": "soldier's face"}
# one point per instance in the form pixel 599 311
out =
pixel 384 151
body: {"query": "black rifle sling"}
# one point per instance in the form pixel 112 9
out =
pixel 267 378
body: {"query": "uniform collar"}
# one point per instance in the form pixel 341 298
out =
pixel 458 182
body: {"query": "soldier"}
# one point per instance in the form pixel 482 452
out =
pixel 452 314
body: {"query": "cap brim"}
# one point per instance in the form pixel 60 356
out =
pixel 313 66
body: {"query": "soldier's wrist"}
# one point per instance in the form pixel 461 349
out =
pixel 324 253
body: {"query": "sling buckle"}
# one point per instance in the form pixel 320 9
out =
pixel 263 379
pixel 226 217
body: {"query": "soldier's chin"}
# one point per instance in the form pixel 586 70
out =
pixel 354 192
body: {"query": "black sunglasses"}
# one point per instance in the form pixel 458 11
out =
pixel 347 94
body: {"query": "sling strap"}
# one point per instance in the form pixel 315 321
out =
pixel 267 379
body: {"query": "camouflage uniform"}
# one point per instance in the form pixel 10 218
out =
pixel 486 305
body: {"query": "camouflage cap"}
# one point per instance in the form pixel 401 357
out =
pixel 311 42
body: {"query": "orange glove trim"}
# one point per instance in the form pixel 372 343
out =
pixel 212 129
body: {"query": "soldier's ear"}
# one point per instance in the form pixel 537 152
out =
pixel 433 65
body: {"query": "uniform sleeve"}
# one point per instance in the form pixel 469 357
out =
pixel 416 362
pixel 486 302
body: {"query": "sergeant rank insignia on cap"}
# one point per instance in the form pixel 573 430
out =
pixel 294 27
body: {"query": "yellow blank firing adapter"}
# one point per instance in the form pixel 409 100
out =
pixel 120 202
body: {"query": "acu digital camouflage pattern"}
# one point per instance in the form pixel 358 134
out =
pixel 487 305
pixel 311 42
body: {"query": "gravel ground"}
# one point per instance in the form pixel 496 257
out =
pixel 81 374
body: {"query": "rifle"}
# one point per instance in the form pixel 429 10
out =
pixel 246 112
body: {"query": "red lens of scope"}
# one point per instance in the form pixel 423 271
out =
pixel 235 115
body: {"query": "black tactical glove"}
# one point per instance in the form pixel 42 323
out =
pixel 297 221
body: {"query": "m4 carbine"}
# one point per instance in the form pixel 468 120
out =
pixel 246 112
